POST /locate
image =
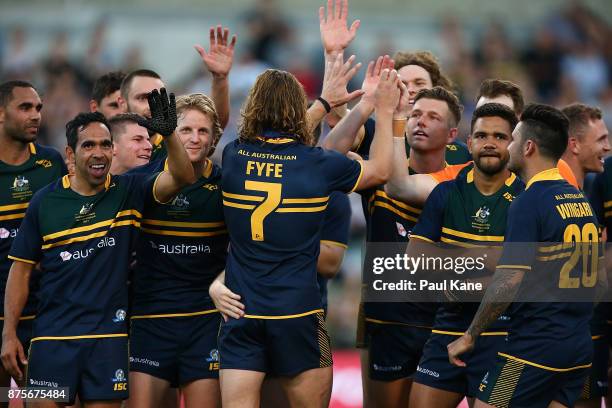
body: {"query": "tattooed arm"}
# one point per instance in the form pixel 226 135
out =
pixel 496 300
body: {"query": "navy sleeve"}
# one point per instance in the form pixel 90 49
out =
pixel 521 227
pixel 593 188
pixel 429 226
pixel 342 174
pixel 27 246
pixel 337 220
pixel 364 147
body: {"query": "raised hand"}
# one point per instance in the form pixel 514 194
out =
pixel 388 91
pixel 337 76
pixel 372 77
pixel 163 113
pixel 218 60
pixel 403 108
pixel 335 34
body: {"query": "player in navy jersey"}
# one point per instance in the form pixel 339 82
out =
pixel 275 189
pixel 25 167
pixel 470 209
pixel 79 336
pixel 549 347
pixel 181 250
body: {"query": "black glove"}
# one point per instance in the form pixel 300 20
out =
pixel 163 113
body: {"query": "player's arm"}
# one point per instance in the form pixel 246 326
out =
pixel 343 137
pixel 227 302
pixel 218 61
pixel 163 121
pixel 334 92
pixel 330 260
pixel 16 296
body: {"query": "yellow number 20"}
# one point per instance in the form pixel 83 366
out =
pixel 583 240
pixel 268 205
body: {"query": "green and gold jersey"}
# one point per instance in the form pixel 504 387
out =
pixel 19 183
pixel 159 151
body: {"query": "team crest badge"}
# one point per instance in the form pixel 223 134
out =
pixel 482 215
pixel 180 201
pixel 86 209
pixel 120 315
pixel 20 184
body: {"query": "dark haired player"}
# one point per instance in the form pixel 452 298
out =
pixel 25 167
pixel 79 336
pixel 106 93
pixel 549 347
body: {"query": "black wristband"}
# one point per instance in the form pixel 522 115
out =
pixel 325 104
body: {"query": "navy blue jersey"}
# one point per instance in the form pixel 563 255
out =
pixel 19 183
pixel 556 215
pixel 83 246
pixel 335 230
pixel 181 249
pixel 600 195
pixel 457 213
pixel 275 192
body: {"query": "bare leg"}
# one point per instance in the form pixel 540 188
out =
pixel 240 388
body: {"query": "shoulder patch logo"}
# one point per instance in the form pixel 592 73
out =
pixel 210 187
pixel 44 163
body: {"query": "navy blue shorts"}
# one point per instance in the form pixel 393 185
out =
pixel 176 349
pixel 596 383
pixel 434 369
pixel 394 350
pixel 279 347
pixel 518 383
pixel 95 369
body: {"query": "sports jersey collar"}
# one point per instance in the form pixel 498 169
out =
pixel 156 139
pixel 546 175
pixel 276 137
pixel 208 168
pixel 408 163
pixel 508 182
pixel 32 147
pixel 66 181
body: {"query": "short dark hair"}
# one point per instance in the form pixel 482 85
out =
pixel 127 81
pixel 82 119
pixel 6 90
pixel 117 123
pixel 492 88
pixel 428 62
pixel 547 127
pixel 579 116
pixel 106 85
pixel 494 109
pixel 442 94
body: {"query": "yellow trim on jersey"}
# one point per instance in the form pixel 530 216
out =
pixel 32 148
pixel 395 210
pixel 608 204
pixel 241 206
pixel 284 316
pixel 100 224
pixel 11 216
pixel 334 243
pixel 525 267
pixel 495 238
pixel 92 236
pixel 89 336
pixel 470 176
pixel 156 139
pixel 597 337
pixel 4 208
pixel 559 370
pixel 28 317
pixel 243 197
pixel 156 316
pixel 300 209
pixel 560 255
pixel 454 333
pixel 546 175
pixel 359 177
pixel 183 224
pixel 608 214
pixel 553 248
pixel 276 140
pixel 157 200
pixel 460 243
pixel 412 236
pixel 183 233
pixel 370 320
pixel 398 203
pixel 510 179
pixel 66 181
pixel 14 258
pixel 305 200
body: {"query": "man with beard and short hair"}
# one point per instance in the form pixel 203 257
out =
pixel 79 336
pixel 131 145
pixel 471 209
pixel 106 93
pixel 25 167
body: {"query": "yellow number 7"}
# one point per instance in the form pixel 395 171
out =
pixel 268 205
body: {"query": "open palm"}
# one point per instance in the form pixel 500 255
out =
pixel 335 34
pixel 219 58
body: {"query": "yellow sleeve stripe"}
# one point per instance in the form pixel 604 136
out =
pixel 300 209
pixel 334 243
pixel 183 224
pixel 184 233
pixel 157 200
pixel 90 336
pixel 413 236
pixel 249 316
pixel 305 200
pixel 92 236
pixel 524 267
pixel 400 204
pixel 12 217
pixel 14 258
pixel 460 243
pixel 492 238
pixel 359 177
pixel 553 248
pixel 556 256
pixel 4 208
pixel 71 231
pixel 531 363
pixel 156 316
pixel 395 210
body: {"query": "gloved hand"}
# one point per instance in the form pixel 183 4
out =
pixel 163 113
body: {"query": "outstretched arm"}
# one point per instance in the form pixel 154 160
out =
pixel 218 61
